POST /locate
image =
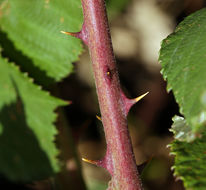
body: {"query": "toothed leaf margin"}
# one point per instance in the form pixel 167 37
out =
pixel 27 132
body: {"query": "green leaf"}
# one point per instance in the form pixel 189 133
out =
pixel 27 133
pixel 183 59
pixel 34 27
pixel 25 63
pixel 190 159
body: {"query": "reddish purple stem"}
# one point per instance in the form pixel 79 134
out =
pixel 114 106
pixel 112 103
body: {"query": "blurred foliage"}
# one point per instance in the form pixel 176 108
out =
pixel 115 6
pixel 96 184
pixel 182 57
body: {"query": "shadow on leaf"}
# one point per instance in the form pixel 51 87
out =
pixel 21 157
pixel 26 64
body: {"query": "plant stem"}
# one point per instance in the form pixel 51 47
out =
pixel 111 100
pixel 114 105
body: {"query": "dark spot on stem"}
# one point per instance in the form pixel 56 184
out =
pixel 109 74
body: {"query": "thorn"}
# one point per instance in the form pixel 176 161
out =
pixel 90 161
pixel 99 118
pixel 105 163
pixel 140 97
pixel 81 35
pixel 75 34
pixel 128 103
pixel 63 32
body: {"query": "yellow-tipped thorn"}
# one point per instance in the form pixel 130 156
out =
pixel 140 97
pixel 68 33
pixel 99 118
pixel 89 161
pixel 63 32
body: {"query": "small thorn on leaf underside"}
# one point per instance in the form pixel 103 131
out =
pixel 128 103
pixel 81 35
pixel 105 163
